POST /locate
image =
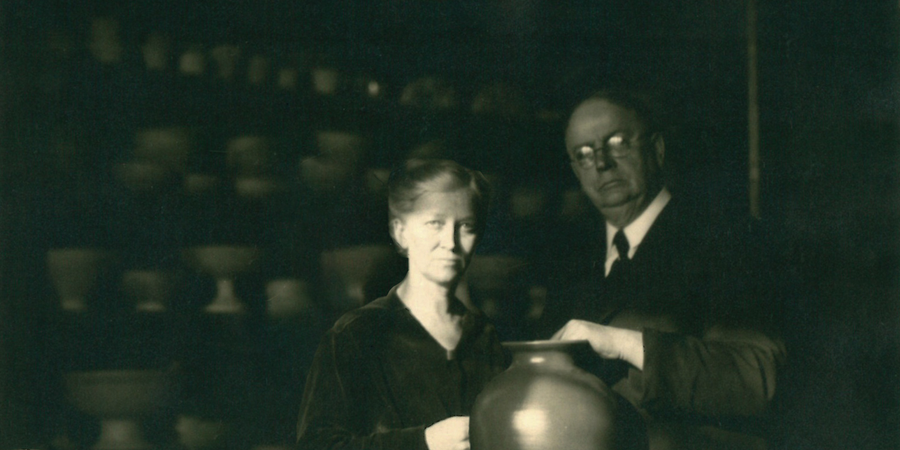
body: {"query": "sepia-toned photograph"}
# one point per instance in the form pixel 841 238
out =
pixel 449 225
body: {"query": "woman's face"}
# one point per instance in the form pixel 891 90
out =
pixel 439 235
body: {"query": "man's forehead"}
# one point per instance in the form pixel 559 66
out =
pixel 602 110
pixel 599 115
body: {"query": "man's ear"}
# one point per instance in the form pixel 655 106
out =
pixel 397 229
pixel 575 170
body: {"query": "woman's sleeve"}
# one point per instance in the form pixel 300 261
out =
pixel 330 415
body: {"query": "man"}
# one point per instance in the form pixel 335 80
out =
pixel 678 308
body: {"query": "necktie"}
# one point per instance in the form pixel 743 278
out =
pixel 616 287
pixel 620 264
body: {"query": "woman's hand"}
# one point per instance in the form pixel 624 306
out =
pixel 449 434
pixel 608 342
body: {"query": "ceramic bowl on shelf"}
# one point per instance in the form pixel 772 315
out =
pixel 143 176
pixel 156 51
pixel 249 155
pixel 75 272
pixel 430 93
pixel 288 78
pixel 200 433
pixel 288 297
pixel 346 270
pixel 192 62
pixel 325 80
pixel 169 147
pixel 226 59
pixel 257 187
pixel 200 184
pixel 258 70
pixel 119 399
pixel 342 145
pixel 323 175
pixel 149 290
pixel 224 263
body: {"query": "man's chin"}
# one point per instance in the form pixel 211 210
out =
pixel 614 201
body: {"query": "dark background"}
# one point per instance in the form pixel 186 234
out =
pixel 828 96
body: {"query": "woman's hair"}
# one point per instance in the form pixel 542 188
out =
pixel 419 176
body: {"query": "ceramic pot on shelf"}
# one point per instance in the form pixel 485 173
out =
pixel 249 155
pixel 149 290
pixel 325 80
pixel 288 297
pixel 169 147
pixel 75 272
pixel 258 187
pixel 544 401
pixel 201 433
pixel 346 272
pixel 119 399
pixel 225 263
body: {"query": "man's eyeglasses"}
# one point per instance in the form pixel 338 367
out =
pixel 617 146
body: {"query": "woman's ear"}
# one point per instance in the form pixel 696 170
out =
pixel 397 229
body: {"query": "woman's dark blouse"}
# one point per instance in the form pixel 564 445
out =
pixel 379 379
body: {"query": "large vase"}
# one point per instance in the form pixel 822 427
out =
pixel 544 401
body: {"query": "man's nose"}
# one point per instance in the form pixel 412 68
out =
pixel 603 160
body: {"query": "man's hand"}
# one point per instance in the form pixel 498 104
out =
pixel 449 434
pixel 608 342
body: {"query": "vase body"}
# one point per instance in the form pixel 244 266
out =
pixel 543 401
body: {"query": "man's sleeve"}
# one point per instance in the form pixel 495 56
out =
pixel 729 372
pixel 731 367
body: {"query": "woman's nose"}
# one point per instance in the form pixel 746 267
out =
pixel 448 237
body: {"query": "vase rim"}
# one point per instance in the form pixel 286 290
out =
pixel 545 345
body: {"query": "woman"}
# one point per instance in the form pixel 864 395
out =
pixel 403 371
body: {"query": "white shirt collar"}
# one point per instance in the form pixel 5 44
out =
pixel 636 230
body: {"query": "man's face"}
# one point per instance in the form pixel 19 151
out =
pixel 620 185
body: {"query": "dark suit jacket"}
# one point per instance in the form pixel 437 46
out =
pixel 706 295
